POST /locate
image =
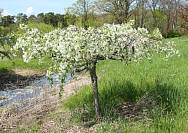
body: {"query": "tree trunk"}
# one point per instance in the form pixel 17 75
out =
pixel 168 25
pixel 95 87
pixel 85 17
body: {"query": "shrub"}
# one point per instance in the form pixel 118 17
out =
pixel 172 34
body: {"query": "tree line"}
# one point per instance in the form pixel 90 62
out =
pixel 167 15
pixel 48 18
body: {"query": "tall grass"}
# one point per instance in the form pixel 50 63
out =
pixel 160 86
pixel 41 26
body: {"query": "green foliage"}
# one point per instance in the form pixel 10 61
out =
pixel 6 65
pixel 173 34
pixel 159 16
pixel 7 40
pixel 41 26
pixel 7 30
pixel 164 83
pixel 21 18
pixel 35 128
pixel 8 20
pixel 69 19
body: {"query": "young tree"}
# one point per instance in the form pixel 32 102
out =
pixel 77 49
pixel 120 9
pixel 82 8
pixel 154 8
pixel 183 14
pixel 140 12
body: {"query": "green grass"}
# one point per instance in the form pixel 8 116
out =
pixel 7 65
pixel 163 82
pixel 35 128
pixel 41 26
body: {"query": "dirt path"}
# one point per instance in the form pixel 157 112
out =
pixel 46 103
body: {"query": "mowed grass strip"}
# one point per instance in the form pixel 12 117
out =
pixel 7 65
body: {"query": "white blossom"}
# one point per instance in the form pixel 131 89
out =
pixel 74 47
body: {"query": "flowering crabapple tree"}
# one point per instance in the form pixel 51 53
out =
pixel 77 49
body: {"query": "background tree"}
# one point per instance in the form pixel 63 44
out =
pixel 183 14
pixel 120 9
pixel 49 18
pixel 40 17
pixel 32 18
pixel 140 12
pixel 69 19
pixel 83 9
pixel 1 10
pixel 21 18
pixel 8 20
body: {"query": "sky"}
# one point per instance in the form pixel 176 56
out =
pixel 29 7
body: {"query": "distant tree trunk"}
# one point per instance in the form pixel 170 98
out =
pixel 85 17
pixel 143 13
pixel 95 87
pixel 168 24
pixel 142 18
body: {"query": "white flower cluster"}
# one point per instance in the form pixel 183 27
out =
pixel 31 43
pixel 74 47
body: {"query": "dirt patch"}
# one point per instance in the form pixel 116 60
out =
pixel 18 78
pixel 132 111
pixel 135 111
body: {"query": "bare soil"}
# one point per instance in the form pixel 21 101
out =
pixel 18 78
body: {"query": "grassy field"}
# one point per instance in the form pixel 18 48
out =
pixel 7 65
pixel 158 88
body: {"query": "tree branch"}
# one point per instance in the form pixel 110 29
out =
pixel 81 69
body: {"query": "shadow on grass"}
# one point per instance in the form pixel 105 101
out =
pixel 10 80
pixel 126 100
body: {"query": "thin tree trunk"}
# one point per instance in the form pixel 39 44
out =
pixel 95 87
pixel 168 25
pixel 85 17
pixel 142 19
